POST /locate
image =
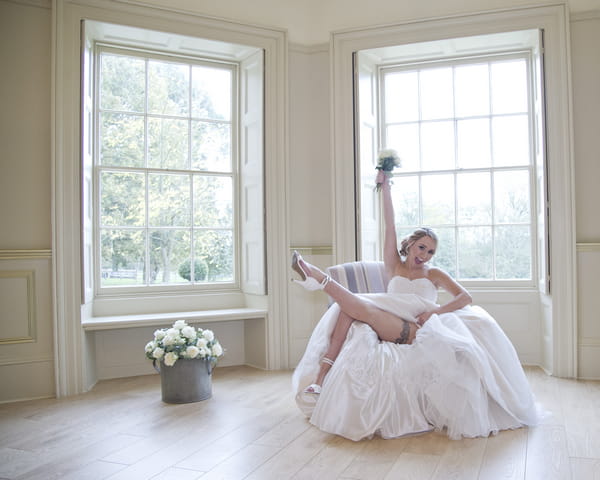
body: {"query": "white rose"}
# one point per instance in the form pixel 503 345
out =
pixel 173 332
pixel 201 343
pixel 150 346
pixel 209 335
pixel 159 334
pixel 217 350
pixel 189 332
pixel 191 352
pixel 170 359
pixel 171 339
pixel 158 353
pixel 180 324
pixel 204 352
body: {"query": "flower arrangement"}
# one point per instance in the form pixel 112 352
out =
pixel 387 160
pixel 183 341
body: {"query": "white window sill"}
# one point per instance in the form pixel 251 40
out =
pixel 164 319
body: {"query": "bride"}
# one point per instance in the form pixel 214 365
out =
pixel 397 363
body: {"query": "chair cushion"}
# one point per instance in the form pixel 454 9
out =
pixel 360 277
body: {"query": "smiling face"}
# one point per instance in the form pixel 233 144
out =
pixel 421 251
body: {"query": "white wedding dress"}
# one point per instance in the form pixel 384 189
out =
pixel 460 374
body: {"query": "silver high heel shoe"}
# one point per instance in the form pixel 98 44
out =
pixel 308 282
pixel 314 388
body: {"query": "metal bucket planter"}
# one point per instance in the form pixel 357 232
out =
pixel 187 381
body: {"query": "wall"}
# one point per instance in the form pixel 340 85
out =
pixel 26 335
pixel 25 126
pixel 25 174
pixel 310 22
pixel 585 38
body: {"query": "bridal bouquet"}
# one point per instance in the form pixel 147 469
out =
pixel 387 160
pixel 183 341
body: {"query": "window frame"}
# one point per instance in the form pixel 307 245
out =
pixel 382 127
pixel 147 54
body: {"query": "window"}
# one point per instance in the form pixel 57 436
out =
pixel 172 171
pixel 468 129
pixel 165 169
pixel 462 129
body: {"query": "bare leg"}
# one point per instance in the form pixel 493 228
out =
pixel 338 337
pixel 388 326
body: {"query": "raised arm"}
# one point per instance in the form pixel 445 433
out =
pixel 391 257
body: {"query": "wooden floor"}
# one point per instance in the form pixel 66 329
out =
pixel 252 429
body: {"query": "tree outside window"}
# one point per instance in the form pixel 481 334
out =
pixel 165 171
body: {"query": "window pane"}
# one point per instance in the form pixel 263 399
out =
pixel 122 140
pixel 510 136
pixel 513 252
pixel 437 99
pixel 511 197
pixel 437 145
pixel 122 257
pixel 472 90
pixel 474 149
pixel 211 146
pixel 401 97
pixel 475 253
pixel 509 86
pixel 438 199
pixel 405 140
pixel 122 199
pixel 122 83
pixel 169 200
pixel 214 249
pixel 405 196
pixel 211 93
pixel 169 249
pixel 168 88
pixel 167 143
pixel 473 191
pixel 445 253
pixel 213 197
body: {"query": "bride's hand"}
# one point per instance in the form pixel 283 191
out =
pixel 381 177
pixel 423 317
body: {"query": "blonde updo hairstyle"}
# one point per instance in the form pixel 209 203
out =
pixel 413 237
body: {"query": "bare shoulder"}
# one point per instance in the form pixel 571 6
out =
pixel 441 278
pixel 437 275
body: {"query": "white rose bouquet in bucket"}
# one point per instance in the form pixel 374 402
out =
pixel 186 356
pixel 183 341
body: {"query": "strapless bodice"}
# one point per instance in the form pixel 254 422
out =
pixel 419 286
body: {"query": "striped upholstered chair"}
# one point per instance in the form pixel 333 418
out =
pixel 360 277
